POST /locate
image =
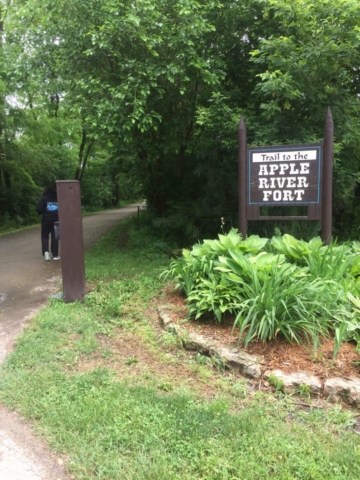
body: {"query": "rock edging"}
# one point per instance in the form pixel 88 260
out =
pixel 254 366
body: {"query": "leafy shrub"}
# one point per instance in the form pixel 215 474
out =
pixel 335 262
pixel 301 290
pixel 215 294
pixel 195 265
pixel 276 304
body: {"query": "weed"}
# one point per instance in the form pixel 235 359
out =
pixel 239 389
pixel 219 363
pixel 304 390
pixel 203 372
pixel 201 359
pixel 277 383
pixel 170 339
pixel 131 361
pixel 107 353
pixel 165 386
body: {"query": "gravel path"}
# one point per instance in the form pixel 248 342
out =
pixel 26 282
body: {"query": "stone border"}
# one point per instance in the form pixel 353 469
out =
pixel 253 366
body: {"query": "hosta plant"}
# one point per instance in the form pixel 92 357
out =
pixel 340 263
pixel 301 290
pixel 197 264
pixel 216 295
pixel 232 241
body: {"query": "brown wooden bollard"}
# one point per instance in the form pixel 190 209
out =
pixel 326 222
pixel 242 145
pixel 71 240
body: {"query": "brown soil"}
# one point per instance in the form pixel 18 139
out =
pixel 132 358
pixel 278 354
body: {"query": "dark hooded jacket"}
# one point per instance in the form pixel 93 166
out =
pixel 47 206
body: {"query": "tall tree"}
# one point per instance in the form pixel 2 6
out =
pixel 160 86
pixel 312 63
pixel 4 5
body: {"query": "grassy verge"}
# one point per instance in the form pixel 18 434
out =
pixel 8 230
pixel 121 400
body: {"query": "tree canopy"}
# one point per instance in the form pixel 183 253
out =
pixel 143 98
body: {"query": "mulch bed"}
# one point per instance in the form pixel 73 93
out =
pixel 278 354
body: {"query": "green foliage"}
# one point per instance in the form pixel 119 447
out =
pixel 339 263
pixel 296 249
pixel 276 382
pixel 301 290
pixel 240 268
pixel 352 322
pixel 233 241
pixel 212 294
pixel 297 308
pixel 194 439
pixel 304 390
pixel 109 298
pixel 97 195
pixel 145 98
pixel 131 361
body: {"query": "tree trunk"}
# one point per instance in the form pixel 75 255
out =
pixel 83 158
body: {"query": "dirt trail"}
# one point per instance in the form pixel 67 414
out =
pixel 26 282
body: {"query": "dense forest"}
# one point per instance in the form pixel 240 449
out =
pixel 142 99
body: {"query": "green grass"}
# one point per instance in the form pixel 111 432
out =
pixel 111 427
pixel 6 230
pixel 112 431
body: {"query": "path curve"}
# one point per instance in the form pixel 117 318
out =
pixel 26 282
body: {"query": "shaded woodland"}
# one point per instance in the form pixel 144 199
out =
pixel 143 99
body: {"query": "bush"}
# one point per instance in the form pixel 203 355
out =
pixel 301 290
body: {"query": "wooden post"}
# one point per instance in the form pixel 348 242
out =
pixel 71 240
pixel 242 145
pixel 326 221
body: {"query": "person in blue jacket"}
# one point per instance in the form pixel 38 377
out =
pixel 47 207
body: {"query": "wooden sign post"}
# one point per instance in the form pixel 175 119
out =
pixel 327 176
pixel 287 175
pixel 72 245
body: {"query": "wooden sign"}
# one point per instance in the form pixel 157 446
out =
pixel 286 175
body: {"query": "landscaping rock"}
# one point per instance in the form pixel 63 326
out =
pixel 163 311
pixel 247 365
pixel 176 330
pixel 252 366
pixel 292 381
pixel 199 343
pixel 341 389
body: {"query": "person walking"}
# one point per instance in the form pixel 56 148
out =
pixel 47 206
